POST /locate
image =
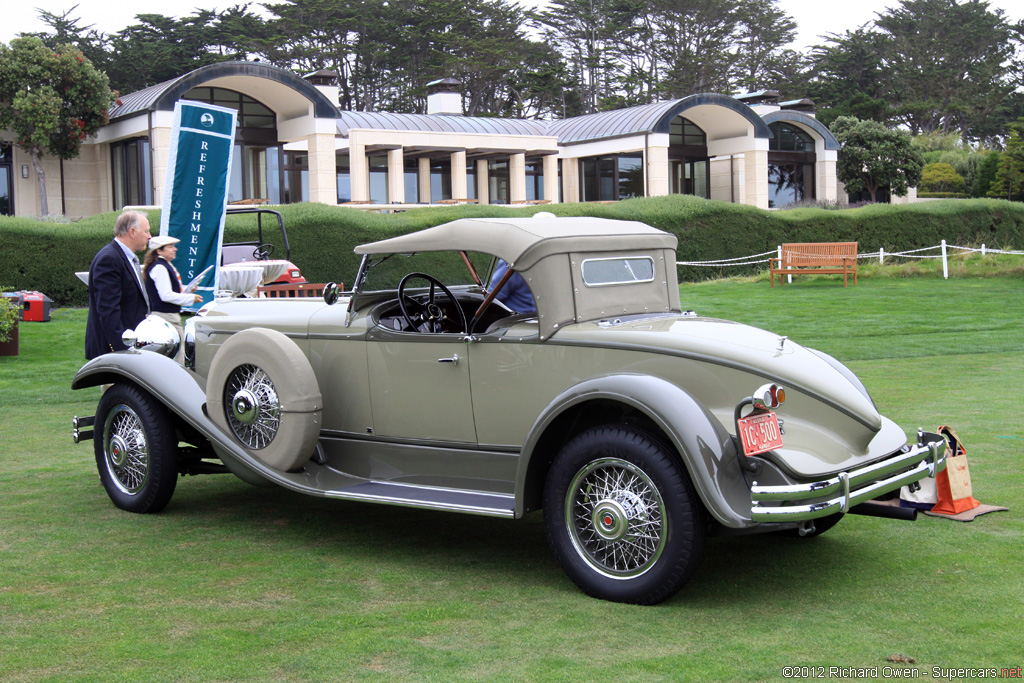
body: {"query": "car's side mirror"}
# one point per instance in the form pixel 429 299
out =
pixel 330 293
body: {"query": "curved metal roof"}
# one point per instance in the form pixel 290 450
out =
pixel 162 96
pixel 646 118
pixel 806 120
pixel 348 120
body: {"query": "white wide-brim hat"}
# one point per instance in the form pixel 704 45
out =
pixel 162 241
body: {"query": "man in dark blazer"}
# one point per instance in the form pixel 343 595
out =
pixel 117 297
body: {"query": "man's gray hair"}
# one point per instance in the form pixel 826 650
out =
pixel 126 221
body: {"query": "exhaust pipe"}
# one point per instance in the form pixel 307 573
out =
pixel 887 511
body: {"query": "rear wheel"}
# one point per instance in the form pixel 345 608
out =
pixel 622 517
pixel 136 449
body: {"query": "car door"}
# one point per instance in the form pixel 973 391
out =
pixel 420 386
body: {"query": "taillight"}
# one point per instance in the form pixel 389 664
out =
pixel 769 396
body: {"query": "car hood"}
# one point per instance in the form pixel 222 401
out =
pixel 739 346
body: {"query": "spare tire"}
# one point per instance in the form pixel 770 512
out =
pixel 262 391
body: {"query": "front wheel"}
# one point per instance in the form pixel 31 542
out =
pixel 136 449
pixel 622 517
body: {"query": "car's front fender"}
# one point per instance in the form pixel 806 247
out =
pixel 183 393
pixel 707 451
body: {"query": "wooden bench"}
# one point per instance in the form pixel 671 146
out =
pixel 816 258
pixel 299 290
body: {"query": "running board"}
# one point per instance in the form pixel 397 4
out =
pixel 406 495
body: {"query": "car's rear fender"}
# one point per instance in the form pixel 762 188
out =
pixel 705 449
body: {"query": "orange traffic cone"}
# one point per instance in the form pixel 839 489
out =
pixel 957 461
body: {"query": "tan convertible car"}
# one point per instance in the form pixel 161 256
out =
pixel 638 428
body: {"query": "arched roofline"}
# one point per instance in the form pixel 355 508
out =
pixel 701 99
pixel 805 120
pixel 322 107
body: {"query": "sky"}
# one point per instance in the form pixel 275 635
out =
pixel 813 20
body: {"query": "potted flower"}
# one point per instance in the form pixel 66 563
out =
pixel 8 326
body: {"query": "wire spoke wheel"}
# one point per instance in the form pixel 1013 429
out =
pixel 616 518
pixel 136 452
pixel 252 406
pixel 621 515
pixel 126 450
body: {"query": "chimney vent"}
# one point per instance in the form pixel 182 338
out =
pixel 444 97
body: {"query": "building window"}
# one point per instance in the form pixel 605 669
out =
pixel 344 180
pixel 788 138
pixel 689 164
pixel 611 178
pixel 789 183
pixel 251 113
pixel 295 172
pixel 412 181
pixel 257 165
pixel 440 180
pixel 6 179
pixel 497 178
pixel 378 167
pixel 791 161
pixel 130 167
pixel 685 133
pixel 534 180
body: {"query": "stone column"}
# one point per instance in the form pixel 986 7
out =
pixel 551 178
pixel 323 170
pixel 756 172
pixel 396 176
pixel 825 179
pixel 423 179
pixel 459 188
pixel 483 182
pixel 570 180
pixel 516 178
pixel 359 172
pixel 160 146
pixel 657 171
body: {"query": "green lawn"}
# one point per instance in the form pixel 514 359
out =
pixel 235 583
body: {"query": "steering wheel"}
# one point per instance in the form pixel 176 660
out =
pixel 263 251
pixel 429 316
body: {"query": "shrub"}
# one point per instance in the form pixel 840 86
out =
pixel 44 257
pixel 8 316
pixel 941 178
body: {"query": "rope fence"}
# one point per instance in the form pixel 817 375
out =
pixel 881 254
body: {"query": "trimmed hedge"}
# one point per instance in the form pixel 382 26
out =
pixel 44 256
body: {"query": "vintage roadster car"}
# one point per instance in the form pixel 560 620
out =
pixel 638 428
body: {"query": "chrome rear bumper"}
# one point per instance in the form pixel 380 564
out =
pixel 840 493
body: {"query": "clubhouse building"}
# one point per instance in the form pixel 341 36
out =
pixel 293 144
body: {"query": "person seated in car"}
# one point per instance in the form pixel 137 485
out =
pixel 516 293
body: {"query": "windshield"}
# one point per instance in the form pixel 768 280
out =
pixel 386 272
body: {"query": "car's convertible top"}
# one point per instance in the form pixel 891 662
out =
pixel 522 242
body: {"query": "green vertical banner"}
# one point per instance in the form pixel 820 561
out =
pixel 196 190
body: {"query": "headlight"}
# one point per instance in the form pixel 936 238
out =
pixel 153 334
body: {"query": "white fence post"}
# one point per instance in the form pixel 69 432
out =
pixel 945 262
pixel 881 255
pixel 982 249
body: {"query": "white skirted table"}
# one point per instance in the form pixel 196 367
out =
pixel 240 279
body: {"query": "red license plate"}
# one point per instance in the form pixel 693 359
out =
pixel 760 433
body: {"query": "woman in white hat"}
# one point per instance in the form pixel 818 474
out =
pixel 163 283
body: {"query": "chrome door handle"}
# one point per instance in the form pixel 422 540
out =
pixel 454 360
